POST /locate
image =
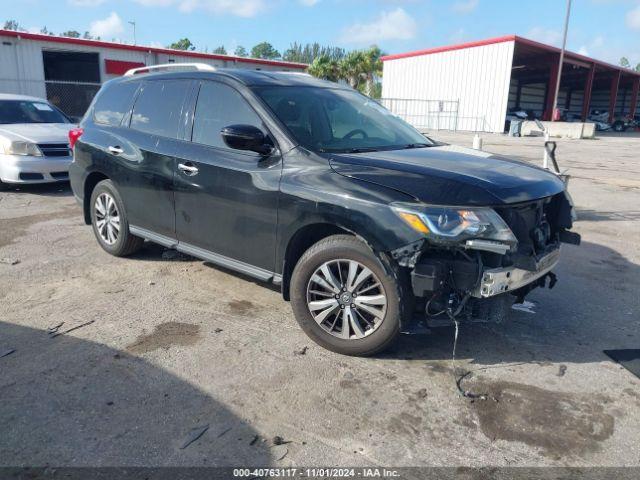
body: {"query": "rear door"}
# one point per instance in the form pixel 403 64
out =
pixel 146 151
pixel 226 200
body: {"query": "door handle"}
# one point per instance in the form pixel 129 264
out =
pixel 115 150
pixel 188 169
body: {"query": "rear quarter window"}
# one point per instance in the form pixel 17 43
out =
pixel 159 106
pixel 112 105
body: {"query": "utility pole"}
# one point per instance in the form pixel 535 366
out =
pixel 564 45
pixel 133 23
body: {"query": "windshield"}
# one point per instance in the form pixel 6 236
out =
pixel 26 111
pixel 339 120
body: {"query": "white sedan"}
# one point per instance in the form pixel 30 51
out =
pixel 34 141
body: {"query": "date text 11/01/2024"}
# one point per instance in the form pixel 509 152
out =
pixel 316 472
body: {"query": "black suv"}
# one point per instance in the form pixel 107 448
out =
pixel 361 220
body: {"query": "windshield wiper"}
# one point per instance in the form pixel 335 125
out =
pixel 417 145
pixel 361 150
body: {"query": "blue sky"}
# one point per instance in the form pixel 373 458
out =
pixel 605 29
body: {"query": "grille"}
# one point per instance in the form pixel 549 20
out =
pixel 55 149
pixel 60 175
pixel 31 176
pixel 532 223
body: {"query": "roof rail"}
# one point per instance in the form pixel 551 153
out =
pixel 169 66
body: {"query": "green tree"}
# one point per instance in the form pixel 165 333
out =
pixel 326 68
pixel 372 69
pixel 240 51
pixel 352 68
pixel 220 50
pixel 264 50
pixel 46 31
pixel 88 36
pixel 11 25
pixel 71 34
pixel 309 52
pixel 182 44
pixel 624 62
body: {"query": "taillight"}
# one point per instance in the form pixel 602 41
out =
pixel 74 135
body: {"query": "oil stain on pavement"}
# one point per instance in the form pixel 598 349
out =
pixel 558 423
pixel 166 335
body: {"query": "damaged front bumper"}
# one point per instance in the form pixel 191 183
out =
pixel 507 279
pixel 482 278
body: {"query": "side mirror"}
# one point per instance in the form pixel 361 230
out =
pixel 246 137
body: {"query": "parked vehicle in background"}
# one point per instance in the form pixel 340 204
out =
pixel 34 143
pixel 624 124
pixel 361 220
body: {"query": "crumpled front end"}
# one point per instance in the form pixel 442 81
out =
pixel 482 275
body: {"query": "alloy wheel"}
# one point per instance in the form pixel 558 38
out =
pixel 107 218
pixel 346 299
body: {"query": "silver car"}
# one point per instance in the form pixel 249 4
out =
pixel 34 141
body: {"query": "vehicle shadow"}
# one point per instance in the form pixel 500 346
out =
pixel 72 402
pixel 60 189
pixel 592 308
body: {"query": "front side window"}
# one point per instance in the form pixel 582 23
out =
pixel 27 111
pixel 339 120
pixel 112 104
pixel 220 106
pixel 159 106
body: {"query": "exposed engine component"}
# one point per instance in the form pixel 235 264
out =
pixel 480 280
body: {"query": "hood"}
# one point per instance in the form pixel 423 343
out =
pixel 37 132
pixel 451 175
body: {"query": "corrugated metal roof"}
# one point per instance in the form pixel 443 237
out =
pixel 141 48
pixel 511 38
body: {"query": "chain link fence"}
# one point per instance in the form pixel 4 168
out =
pixel 73 98
pixel 433 114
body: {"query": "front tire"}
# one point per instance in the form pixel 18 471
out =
pixel 110 223
pixel 344 298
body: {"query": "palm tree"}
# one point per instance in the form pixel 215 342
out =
pixel 372 69
pixel 352 67
pixel 326 68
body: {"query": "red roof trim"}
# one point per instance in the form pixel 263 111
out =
pixel 459 46
pixel 508 38
pixel 139 48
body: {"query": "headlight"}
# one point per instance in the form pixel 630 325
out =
pixel 22 148
pixel 450 225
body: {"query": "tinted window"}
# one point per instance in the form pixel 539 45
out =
pixel 339 120
pixel 26 111
pixel 113 103
pixel 220 106
pixel 159 106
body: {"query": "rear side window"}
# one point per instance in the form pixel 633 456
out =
pixel 112 104
pixel 220 106
pixel 159 106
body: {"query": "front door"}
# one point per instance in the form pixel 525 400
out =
pixel 226 200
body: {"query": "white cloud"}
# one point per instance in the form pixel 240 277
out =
pixel 545 35
pixel 240 8
pixel 598 41
pixel 308 3
pixel 466 6
pixel 106 28
pixel 633 18
pixel 85 3
pixel 394 25
pixel 583 51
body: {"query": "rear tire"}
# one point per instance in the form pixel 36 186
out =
pixel 372 318
pixel 109 221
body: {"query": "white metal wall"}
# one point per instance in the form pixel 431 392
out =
pixel 477 77
pixel 22 68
